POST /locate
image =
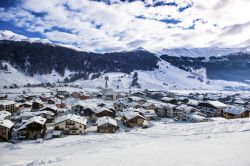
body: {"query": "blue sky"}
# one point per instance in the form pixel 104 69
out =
pixel 113 25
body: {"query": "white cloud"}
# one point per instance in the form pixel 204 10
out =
pixel 95 26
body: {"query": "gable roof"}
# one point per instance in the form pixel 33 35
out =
pixel 6 123
pixel 4 114
pixel 105 120
pixel 36 119
pixel 217 104
pixel 235 110
pixel 7 102
pixel 71 117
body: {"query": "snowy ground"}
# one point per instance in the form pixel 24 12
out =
pixel 213 143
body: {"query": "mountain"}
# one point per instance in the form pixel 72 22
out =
pixel 25 62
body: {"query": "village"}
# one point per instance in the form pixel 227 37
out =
pixel 44 116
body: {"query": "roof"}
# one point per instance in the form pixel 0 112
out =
pixel 167 99
pixel 235 110
pixel 6 123
pixel 7 102
pixel 53 107
pixel 4 114
pixel 130 114
pixel 44 112
pixel 35 119
pixel 217 104
pixel 101 109
pixel 196 116
pixel 184 107
pixel 105 120
pixel 193 102
pixel 71 117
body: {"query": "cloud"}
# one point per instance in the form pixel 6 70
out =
pixel 115 25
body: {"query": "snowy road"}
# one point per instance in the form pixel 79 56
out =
pixel 212 143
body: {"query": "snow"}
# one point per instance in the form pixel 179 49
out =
pixel 235 110
pixel 202 52
pixel 36 119
pixel 6 102
pixel 4 114
pixel 6 123
pixel 71 117
pixel 217 104
pixel 106 120
pixel 165 143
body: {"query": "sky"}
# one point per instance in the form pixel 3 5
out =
pixel 117 25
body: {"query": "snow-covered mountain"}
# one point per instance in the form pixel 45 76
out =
pixel 9 35
pixel 202 52
pixel 36 62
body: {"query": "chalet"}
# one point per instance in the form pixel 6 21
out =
pixel 101 112
pixel 139 94
pixel 33 128
pixel 48 115
pixel 137 100
pixel 196 117
pixel 110 96
pixel 70 124
pixel 148 114
pixel 76 94
pixel 5 115
pixel 212 108
pixel 166 110
pixel 169 100
pixel 37 104
pixel 119 105
pixel 63 93
pixel 53 101
pixel 133 119
pixel 61 97
pixel 3 97
pixel 235 112
pixel 149 106
pixel 83 109
pixel 7 105
pixel 26 104
pixel 193 103
pixel 106 125
pixel 50 108
pixel 5 129
pixel 184 110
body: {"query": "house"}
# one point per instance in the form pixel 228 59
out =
pixel 184 111
pixel 106 125
pixel 196 117
pixel 26 104
pixel 5 115
pixel 169 100
pixel 7 105
pixel 33 128
pixel 166 110
pixel 70 124
pixel 5 129
pixel 48 115
pixel 3 97
pixel 51 108
pixel 37 104
pixel 212 108
pixel 235 112
pixel 137 100
pixel 119 105
pixel 148 114
pixel 83 109
pixel 149 106
pixel 139 94
pixel 133 119
pixel 63 93
pixel 101 112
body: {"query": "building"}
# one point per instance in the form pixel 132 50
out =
pixel 5 115
pixel 235 112
pixel 101 112
pixel 37 104
pixel 70 124
pixel 5 129
pixel 33 128
pixel 212 108
pixel 133 119
pixel 106 125
pixel 7 105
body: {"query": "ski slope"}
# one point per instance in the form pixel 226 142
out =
pixel 220 142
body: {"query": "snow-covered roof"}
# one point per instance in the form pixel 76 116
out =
pixel 217 104
pixel 7 102
pixel 193 102
pixel 71 117
pixel 196 116
pixel 4 114
pixel 167 105
pixel 135 98
pixel 184 107
pixel 235 110
pixel 44 112
pixel 6 123
pixel 105 120
pixel 167 99
pixel 53 107
pixel 35 119
pixel 131 114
